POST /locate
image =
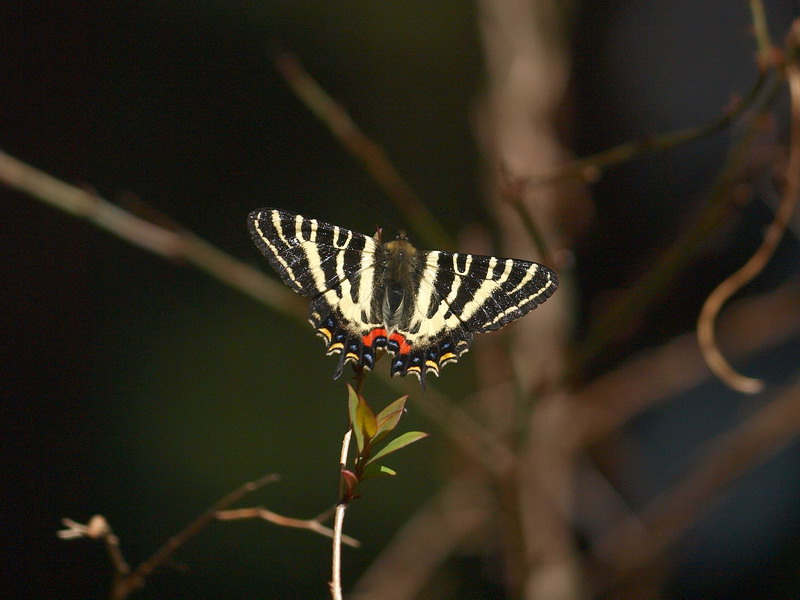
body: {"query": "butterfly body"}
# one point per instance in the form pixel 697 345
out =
pixel 423 307
pixel 396 273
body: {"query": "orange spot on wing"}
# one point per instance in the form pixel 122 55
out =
pixel 369 339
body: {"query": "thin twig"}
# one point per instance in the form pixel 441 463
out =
pixel 372 155
pixel 590 168
pixel 126 581
pixel 137 578
pixel 98 528
pixel 259 512
pixel 336 580
pixel 512 189
pixel 326 514
pixel 761 31
pixel 705 324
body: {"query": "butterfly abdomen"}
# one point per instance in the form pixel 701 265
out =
pixel 398 284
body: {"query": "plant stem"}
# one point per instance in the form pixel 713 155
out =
pixel 338 522
pixel 336 579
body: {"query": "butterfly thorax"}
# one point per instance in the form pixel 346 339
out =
pixel 400 280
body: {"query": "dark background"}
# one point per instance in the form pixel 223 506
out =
pixel 143 390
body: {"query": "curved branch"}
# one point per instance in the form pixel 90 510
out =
pixel 705 324
pixel 633 303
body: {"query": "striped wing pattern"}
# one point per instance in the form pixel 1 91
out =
pixel 454 295
pixel 463 294
pixel 332 265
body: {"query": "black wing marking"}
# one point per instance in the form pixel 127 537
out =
pixel 311 256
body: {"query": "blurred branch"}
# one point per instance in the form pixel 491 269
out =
pixel 372 155
pixel 526 45
pixel 461 508
pixel 634 301
pixel 765 56
pixel 732 455
pixel 589 169
pixel 656 374
pixel 512 189
pixel 171 244
pixel 705 325
pixel 125 581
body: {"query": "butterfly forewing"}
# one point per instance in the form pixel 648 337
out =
pixel 310 256
pixel 333 265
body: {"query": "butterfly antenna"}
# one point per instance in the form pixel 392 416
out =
pixel 383 217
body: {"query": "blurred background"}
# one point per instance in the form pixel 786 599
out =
pixel 144 390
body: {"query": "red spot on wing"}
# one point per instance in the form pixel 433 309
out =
pixel 405 347
pixel 369 339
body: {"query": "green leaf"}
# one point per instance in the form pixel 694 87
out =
pixel 373 471
pixel 397 443
pixel 366 418
pixel 352 406
pixel 362 419
pixel 388 418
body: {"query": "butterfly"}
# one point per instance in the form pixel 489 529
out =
pixel 423 307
